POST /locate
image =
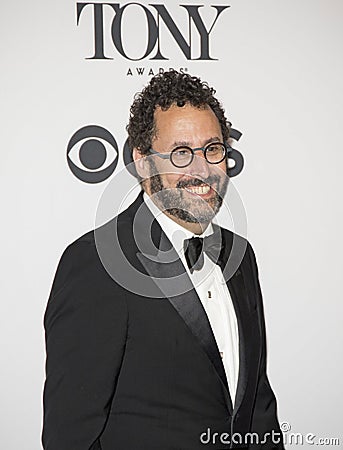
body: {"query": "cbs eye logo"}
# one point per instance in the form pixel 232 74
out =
pixel 92 155
pixel 96 150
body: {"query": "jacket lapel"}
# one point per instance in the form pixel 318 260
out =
pixel 162 263
pixel 237 291
pixel 164 266
pixel 234 247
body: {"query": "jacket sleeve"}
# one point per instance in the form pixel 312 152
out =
pixel 85 331
pixel 264 420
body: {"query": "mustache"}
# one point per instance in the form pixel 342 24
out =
pixel 198 182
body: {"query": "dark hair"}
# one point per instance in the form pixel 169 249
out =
pixel 165 89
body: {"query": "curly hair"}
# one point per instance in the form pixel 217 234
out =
pixel 164 90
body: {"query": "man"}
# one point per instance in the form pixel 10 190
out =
pixel 155 331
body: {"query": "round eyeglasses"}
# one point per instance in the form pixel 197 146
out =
pixel 182 156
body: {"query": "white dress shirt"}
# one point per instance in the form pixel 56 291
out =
pixel 212 291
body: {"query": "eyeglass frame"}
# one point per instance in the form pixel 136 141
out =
pixel 193 150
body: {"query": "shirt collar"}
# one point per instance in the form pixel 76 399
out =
pixel 174 232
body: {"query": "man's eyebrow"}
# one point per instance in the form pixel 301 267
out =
pixel 212 139
pixel 188 144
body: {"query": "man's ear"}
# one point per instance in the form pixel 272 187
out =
pixel 141 163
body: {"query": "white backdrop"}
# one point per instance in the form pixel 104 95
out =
pixel 279 75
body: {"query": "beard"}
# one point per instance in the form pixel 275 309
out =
pixel 175 201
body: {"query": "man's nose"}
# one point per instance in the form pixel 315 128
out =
pixel 199 166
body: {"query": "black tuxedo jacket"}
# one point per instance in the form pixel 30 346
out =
pixel 128 372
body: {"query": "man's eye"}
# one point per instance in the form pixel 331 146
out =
pixel 181 152
pixel 214 149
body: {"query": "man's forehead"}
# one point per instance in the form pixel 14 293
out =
pixel 177 113
pixel 185 124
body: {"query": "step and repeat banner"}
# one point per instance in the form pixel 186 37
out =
pixel 70 71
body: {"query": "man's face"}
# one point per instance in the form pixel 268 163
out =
pixel 192 194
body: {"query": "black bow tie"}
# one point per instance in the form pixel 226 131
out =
pixel 195 247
